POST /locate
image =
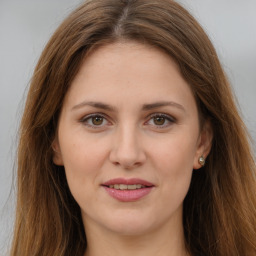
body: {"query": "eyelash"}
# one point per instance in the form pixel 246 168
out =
pixel 167 118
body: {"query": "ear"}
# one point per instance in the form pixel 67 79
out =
pixel 57 157
pixel 204 143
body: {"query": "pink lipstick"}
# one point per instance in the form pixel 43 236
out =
pixel 127 190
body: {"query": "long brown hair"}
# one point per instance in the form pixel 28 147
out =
pixel 220 208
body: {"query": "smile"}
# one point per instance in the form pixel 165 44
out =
pixel 126 187
pixel 128 190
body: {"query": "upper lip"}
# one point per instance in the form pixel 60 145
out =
pixel 131 181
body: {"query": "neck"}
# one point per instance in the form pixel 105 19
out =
pixel 166 241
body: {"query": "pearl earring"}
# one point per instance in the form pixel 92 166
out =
pixel 201 160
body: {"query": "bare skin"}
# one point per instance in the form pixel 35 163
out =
pixel 130 114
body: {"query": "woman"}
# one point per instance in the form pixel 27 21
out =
pixel 131 141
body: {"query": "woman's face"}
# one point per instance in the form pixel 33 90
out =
pixel 129 139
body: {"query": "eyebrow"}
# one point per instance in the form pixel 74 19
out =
pixel 99 105
pixel 145 107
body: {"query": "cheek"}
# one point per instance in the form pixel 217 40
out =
pixel 175 153
pixel 82 158
pixel 81 149
pixel 174 161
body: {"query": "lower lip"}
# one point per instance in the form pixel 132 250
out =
pixel 128 195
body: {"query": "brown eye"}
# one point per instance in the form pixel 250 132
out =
pixel 159 120
pixel 97 120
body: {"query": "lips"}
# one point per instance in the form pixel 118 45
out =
pixel 128 190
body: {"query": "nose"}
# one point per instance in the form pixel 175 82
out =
pixel 127 150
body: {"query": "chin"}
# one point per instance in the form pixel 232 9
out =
pixel 131 230
pixel 131 225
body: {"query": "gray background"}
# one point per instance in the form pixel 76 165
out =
pixel 25 27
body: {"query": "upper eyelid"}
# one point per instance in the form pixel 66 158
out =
pixel 93 115
pixel 162 115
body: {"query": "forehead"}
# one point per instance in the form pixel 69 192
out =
pixel 127 56
pixel 127 71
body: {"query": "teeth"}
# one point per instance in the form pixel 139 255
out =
pixel 126 187
pixel 131 186
pixel 122 187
